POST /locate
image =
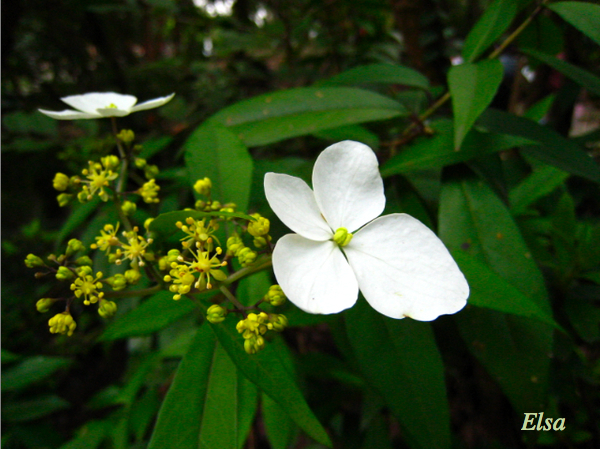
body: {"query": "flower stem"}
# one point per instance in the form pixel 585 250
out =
pixel 259 265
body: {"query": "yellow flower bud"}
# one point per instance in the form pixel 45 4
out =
pixel 110 162
pixel 60 182
pixel 73 246
pixel 83 260
pixel 132 276
pixel 246 256
pixel 64 274
pixel 32 261
pixel 62 323
pixel 64 199
pixel 203 186
pixel 44 304
pixel 128 207
pixel 126 136
pixel 259 227
pixel 216 313
pixel 107 308
pixel 275 295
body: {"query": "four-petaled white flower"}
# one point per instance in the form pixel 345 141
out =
pixel 402 268
pixel 103 104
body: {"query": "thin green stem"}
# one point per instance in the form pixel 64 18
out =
pixel 259 265
pixel 231 298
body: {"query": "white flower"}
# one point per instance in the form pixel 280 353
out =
pixel 103 104
pixel 402 268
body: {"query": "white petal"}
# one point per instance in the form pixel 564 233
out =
pixel 294 203
pixel 404 269
pixel 315 276
pixel 150 104
pixel 91 102
pixel 348 186
pixel 68 114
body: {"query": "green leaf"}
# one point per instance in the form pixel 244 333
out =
pixel 400 360
pixel 496 19
pixel 267 371
pixel 229 406
pixel 492 291
pixel 350 132
pixel 472 87
pixel 582 77
pixel 553 148
pixel 152 315
pixel 512 348
pixel 379 74
pixel 78 216
pixel 582 15
pixel 537 185
pixel 281 115
pixel 32 409
pixel 438 151
pixel 215 152
pixel 280 429
pixel 90 436
pixel 31 370
pixel 181 415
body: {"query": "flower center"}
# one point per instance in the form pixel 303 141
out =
pixel 342 237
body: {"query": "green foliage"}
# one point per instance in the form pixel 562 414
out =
pixel 514 196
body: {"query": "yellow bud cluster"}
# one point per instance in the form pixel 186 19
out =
pixel 255 326
pixel 107 309
pixel 149 192
pixel 62 323
pixel 216 313
pixel 258 227
pixel 203 186
pixel 275 295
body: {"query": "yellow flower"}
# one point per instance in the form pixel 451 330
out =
pixel 134 249
pixel 88 286
pixel 149 191
pixel 99 177
pixel 108 238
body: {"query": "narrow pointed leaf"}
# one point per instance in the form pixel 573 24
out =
pixel 400 360
pixel 215 152
pixel 266 370
pixel 472 87
pixel 489 28
pixel 513 349
pixel 537 185
pixel 582 77
pixel 438 151
pixel 379 74
pixel 552 148
pixel 281 115
pixel 584 16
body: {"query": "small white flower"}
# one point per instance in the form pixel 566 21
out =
pixel 402 268
pixel 103 104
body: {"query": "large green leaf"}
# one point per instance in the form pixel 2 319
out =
pixel 267 371
pixel 379 74
pixel 552 148
pixel 180 418
pixel 489 290
pixel 214 151
pixel 295 112
pixel 400 360
pixel 472 86
pixel 438 151
pixel 496 19
pixel 152 315
pixel 31 370
pixel 512 348
pixel 582 77
pixel 280 429
pixel 584 16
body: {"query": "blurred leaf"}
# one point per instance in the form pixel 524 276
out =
pixel 584 316
pixel 277 116
pixel 79 215
pixel 152 315
pixel 379 74
pixel 8 356
pixel 438 151
pixel 89 436
pixel 513 349
pixel 266 370
pixel 537 185
pixel 553 148
pixel 31 370
pixel 472 87
pixel 215 152
pixel 539 110
pixel 152 146
pixel 494 21
pixel 143 412
pixel 400 360
pixel 350 132
pixel 492 291
pixel 34 122
pixel 28 410
pixel 280 429
pixel 377 434
pixel 584 16
pixel 582 77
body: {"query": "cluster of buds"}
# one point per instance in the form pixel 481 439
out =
pixel 255 326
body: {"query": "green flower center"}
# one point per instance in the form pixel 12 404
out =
pixel 342 237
